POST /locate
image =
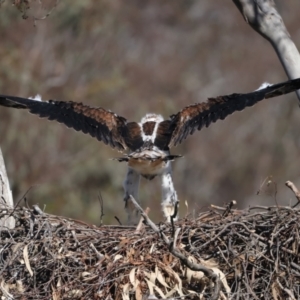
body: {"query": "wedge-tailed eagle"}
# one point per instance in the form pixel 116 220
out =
pixel 146 144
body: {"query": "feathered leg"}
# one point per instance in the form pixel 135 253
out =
pixel 131 187
pixel 169 195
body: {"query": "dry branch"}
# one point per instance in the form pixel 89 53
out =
pixel 294 189
pixel 263 17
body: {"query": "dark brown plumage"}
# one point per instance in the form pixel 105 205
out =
pixel 115 131
pixel 148 141
pixel 195 117
pixel 98 122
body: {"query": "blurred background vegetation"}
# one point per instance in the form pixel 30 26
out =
pixel 135 57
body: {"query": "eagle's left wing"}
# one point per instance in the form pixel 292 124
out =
pixel 196 116
pixel 102 124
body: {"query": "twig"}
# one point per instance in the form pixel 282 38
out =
pixel 294 189
pixel 99 255
pixel 118 220
pixel 75 238
pixel 289 292
pixel 176 237
pixel 18 202
pixel 173 217
pixel 217 207
pixel 228 208
pixel 100 198
pixel 23 197
pixel 140 224
pixel 262 184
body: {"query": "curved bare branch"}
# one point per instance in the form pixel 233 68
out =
pixel 263 17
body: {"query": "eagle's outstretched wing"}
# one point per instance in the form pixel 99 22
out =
pixel 196 116
pixel 102 124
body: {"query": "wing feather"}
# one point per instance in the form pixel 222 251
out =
pixel 98 122
pixel 203 114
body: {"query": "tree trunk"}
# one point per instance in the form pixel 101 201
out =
pixel 6 199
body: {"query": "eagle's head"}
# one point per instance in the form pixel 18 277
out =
pixel 152 118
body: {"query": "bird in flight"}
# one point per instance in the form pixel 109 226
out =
pixel 146 144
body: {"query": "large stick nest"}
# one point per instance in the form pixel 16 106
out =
pixel 254 252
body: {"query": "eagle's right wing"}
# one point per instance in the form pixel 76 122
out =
pixel 195 117
pixel 102 124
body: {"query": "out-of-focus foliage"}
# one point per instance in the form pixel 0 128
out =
pixel 134 57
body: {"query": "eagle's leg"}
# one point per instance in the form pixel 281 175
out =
pixel 131 187
pixel 169 195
